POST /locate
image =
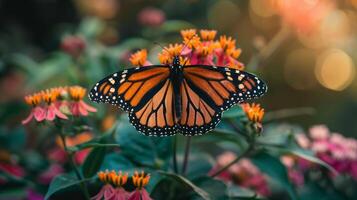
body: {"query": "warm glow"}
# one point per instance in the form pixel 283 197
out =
pixel 299 69
pixel 262 8
pixel 335 69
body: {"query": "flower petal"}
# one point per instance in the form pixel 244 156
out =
pixel 87 107
pixel 28 119
pixel 39 113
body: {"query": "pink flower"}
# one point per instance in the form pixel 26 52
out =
pixel 151 17
pixel 33 195
pixel 107 192
pixel 243 173
pixel 38 113
pixel 78 107
pixel 120 194
pixel 139 194
pixel 140 180
pixel 52 112
pixel 319 132
pixel 73 45
pixel 47 176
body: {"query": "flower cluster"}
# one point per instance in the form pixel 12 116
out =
pixel 243 173
pixel 51 103
pixel 195 49
pixel 73 45
pixel 114 182
pixel 333 148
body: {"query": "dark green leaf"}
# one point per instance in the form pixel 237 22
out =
pixel 237 192
pixel 61 182
pixel 215 188
pixel 147 151
pixel 234 112
pixel 276 170
pixel 93 161
pixel 182 180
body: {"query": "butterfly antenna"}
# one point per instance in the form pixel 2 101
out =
pixel 164 48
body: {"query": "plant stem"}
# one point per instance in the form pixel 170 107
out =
pixel 270 48
pixel 245 153
pixel 187 152
pixel 174 157
pixel 74 167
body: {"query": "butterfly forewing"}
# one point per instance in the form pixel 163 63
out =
pixel 146 93
pixel 207 91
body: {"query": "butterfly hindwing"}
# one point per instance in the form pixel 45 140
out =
pixel 209 90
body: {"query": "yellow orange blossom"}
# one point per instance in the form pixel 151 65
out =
pixel 140 179
pixel 227 42
pixel 233 52
pixel 192 42
pixel 167 54
pixel 112 177
pixel 208 35
pixel 33 99
pixel 77 92
pixel 188 33
pixel 184 61
pixel 118 179
pixel 50 95
pixel 254 112
pixel 104 176
pixel 139 57
pixel 205 50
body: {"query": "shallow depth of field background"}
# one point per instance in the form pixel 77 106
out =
pixel 314 69
pixel 307 60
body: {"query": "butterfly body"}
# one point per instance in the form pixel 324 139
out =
pixel 163 100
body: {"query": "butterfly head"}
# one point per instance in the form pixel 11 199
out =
pixel 176 61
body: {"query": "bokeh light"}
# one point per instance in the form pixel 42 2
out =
pixel 335 69
pixel 262 8
pixel 223 15
pixel 299 69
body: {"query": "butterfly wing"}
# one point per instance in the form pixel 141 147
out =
pixel 207 91
pixel 146 93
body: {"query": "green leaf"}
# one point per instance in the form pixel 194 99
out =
pixel 199 165
pixel 144 150
pixel 93 161
pixel 61 182
pixel 215 188
pixel 276 170
pixel 234 112
pixel 237 192
pixel 182 180
pixel 90 27
pixel 309 155
pixel 91 145
pixel 222 135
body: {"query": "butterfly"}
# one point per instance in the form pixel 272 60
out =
pixel 163 100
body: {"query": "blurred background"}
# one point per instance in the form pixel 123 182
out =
pixel 305 50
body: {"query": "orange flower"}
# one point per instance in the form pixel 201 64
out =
pixel 139 58
pixel 208 35
pixel 34 99
pixel 167 54
pixel 79 107
pixel 188 33
pixel 118 179
pixel 192 42
pixel 50 95
pixel 254 112
pixel 227 43
pixel 77 92
pixel 233 52
pixel 140 180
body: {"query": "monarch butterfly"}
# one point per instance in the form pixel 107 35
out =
pixel 163 100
